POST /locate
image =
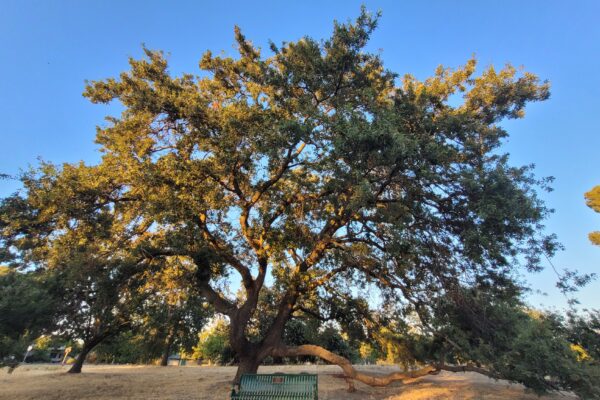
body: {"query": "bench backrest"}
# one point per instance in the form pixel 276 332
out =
pixel 279 386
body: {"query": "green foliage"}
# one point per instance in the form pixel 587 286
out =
pixel 27 309
pixel 126 348
pixel 584 331
pixel 319 168
pixel 541 357
pixel 329 337
pixel 65 230
pixel 25 304
pixel 213 345
pixel 301 331
pixel 496 332
pixel 172 313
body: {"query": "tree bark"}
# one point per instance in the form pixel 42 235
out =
pixel 78 364
pixel 164 361
pixel 87 347
pixel 249 354
pixel 247 365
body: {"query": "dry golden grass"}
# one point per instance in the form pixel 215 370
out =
pixel 103 382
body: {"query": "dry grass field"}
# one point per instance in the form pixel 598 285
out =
pixel 103 382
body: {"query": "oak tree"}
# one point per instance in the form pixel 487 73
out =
pixel 317 172
pixel 65 230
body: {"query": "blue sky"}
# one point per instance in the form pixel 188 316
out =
pixel 49 48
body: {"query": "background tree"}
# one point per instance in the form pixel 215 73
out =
pixel 213 344
pixel 126 347
pixel 593 201
pixel 583 331
pixel 98 299
pixel 173 313
pixel 27 310
pixel 318 167
pixel 65 228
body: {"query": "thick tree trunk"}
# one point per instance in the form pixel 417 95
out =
pixel 247 365
pixel 249 354
pixel 164 361
pixel 78 364
pixel 87 347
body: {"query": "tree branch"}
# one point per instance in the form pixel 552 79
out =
pixel 224 252
pixel 257 244
pixel 221 304
pixel 345 364
pixel 372 380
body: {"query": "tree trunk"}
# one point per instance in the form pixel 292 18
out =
pixel 87 347
pixel 249 354
pixel 78 364
pixel 277 360
pixel 164 361
pixel 247 365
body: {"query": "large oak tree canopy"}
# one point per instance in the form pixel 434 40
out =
pixel 315 166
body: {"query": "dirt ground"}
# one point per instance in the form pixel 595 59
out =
pixel 103 382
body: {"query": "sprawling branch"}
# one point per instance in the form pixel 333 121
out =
pixel 288 201
pixel 345 364
pixel 323 279
pixel 372 380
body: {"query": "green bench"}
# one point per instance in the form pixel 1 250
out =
pixel 277 386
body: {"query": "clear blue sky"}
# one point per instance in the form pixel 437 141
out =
pixel 48 48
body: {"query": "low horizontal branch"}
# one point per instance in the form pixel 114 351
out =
pixel 371 379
